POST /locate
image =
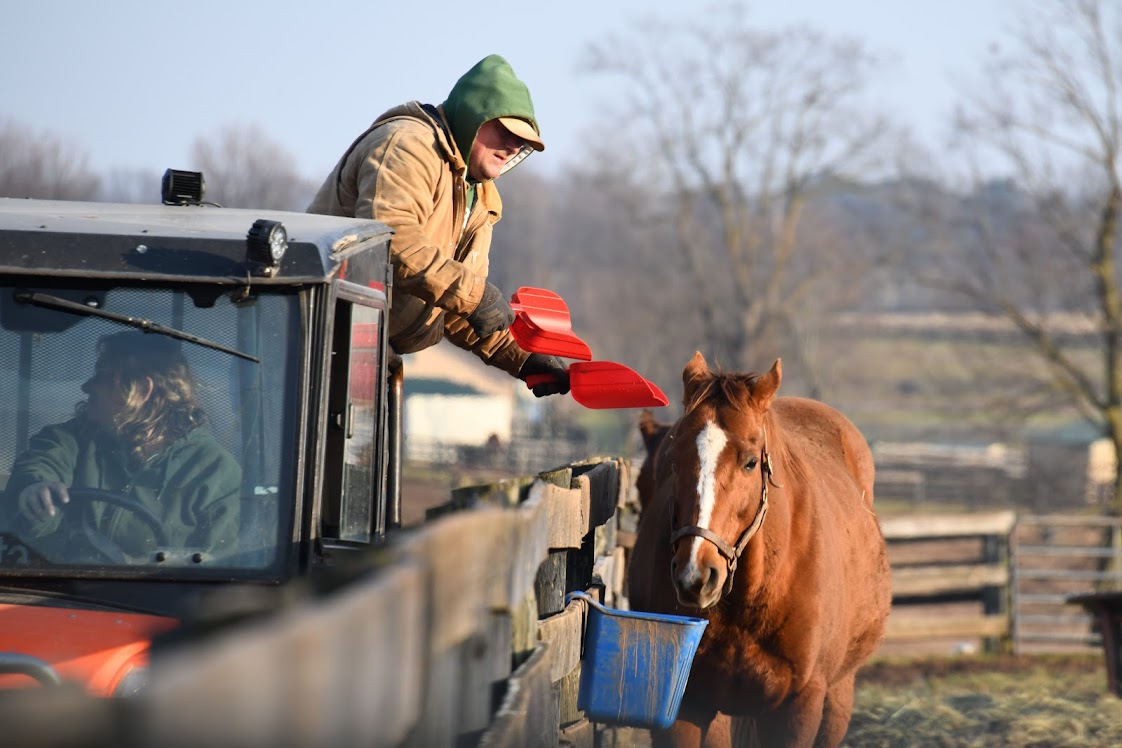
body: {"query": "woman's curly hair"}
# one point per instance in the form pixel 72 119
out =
pixel 149 422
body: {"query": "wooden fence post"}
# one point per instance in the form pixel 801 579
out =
pixel 995 598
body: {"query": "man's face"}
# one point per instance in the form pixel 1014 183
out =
pixel 104 400
pixel 494 145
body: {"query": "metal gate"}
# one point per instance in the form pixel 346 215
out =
pixel 1053 558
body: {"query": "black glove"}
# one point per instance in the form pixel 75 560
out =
pixel 492 314
pixel 545 375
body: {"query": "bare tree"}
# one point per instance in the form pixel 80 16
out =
pixel 1049 111
pixel 523 247
pixel 43 166
pixel 137 186
pixel 728 133
pixel 243 168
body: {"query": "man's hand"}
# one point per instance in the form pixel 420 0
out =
pixel 545 375
pixel 492 314
pixel 38 501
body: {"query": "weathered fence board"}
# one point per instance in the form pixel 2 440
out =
pixel 345 671
pixel 957 626
pixel 945 579
pixel 568 513
pixel 924 583
pixel 578 735
pixel 948 526
pixel 466 557
pixel 528 715
pixel 563 632
pixel 600 481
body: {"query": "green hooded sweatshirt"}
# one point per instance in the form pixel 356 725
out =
pixel 488 91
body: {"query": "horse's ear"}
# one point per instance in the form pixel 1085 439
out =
pixel 765 387
pixel 697 362
pixel 696 371
pixel 649 428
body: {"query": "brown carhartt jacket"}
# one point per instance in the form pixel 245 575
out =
pixel 406 172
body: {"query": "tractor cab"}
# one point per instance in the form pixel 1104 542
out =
pixel 277 323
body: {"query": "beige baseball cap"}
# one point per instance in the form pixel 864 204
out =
pixel 524 130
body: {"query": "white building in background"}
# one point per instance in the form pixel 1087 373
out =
pixel 454 400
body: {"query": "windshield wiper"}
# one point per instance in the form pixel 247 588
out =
pixel 146 325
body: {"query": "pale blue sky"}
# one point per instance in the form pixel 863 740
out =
pixel 134 82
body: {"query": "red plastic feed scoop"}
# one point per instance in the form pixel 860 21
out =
pixel 606 384
pixel 542 324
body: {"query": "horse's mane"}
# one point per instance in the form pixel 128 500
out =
pixel 735 388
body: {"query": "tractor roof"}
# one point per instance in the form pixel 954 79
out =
pixel 165 242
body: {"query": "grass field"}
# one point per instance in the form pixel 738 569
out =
pixel 985 701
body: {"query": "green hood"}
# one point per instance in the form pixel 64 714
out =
pixel 489 90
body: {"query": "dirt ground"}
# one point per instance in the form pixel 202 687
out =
pixel 982 701
pixel 1037 700
pixel 899 672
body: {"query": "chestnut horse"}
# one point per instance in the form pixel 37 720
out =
pixel 781 490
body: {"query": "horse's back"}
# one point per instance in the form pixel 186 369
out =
pixel 836 501
pixel 815 428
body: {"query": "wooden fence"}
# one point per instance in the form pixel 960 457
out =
pixel 950 577
pixel 459 634
pixel 1000 580
pixel 1056 557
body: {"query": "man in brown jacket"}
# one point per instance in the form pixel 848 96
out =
pixel 428 173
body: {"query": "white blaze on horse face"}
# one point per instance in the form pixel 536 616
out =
pixel 711 441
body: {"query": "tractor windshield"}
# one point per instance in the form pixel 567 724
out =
pixel 144 431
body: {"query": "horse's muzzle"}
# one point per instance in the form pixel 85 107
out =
pixel 700 580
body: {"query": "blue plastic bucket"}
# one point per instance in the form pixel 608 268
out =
pixel 634 666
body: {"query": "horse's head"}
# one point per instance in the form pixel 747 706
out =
pixel 716 466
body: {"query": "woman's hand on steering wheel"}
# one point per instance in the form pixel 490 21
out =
pixel 39 501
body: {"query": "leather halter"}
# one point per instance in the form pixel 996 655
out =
pixel 731 553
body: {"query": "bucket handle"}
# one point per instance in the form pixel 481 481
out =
pixel 587 599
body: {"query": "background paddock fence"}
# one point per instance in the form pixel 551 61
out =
pixel 999 580
pixel 1058 556
pixel 950 579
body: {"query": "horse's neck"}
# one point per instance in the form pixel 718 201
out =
pixel 768 576
pixel 785 445
pixel 760 586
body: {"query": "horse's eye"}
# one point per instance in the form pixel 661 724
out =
pixel 750 464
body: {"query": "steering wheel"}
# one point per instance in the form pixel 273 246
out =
pixel 88 496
